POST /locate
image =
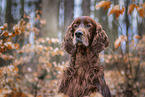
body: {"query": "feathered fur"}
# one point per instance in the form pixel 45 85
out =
pixel 84 75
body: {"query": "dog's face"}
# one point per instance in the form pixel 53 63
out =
pixel 82 31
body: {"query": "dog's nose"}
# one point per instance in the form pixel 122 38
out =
pixel 78 34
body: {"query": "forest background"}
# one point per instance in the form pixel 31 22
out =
pixel 31 32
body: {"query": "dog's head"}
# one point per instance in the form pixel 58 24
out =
pixel 85 32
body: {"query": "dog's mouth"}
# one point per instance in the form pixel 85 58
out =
pixel 80 42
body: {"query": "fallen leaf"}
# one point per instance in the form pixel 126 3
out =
pixel 96 94
pixel 60 95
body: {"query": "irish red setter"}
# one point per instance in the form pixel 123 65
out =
pixel 84 40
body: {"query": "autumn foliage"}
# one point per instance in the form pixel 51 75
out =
pixel 117 10
pixel 25 66
pixel 32 69
pixel 128 58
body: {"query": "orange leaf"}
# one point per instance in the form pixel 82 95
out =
pixel 96 94
pixel 5 25
pixel 18 94
pixel 116 9
pixel 2 48
pixel 42 21
pixel 2 27
pixel 1 42
pixel 131 8
pixel 137 37
pixel 143 5
pixel 105 4
pixel 117 43
pixel 17 32
pixel 61 95
pixel 5 33
pixel 24 16
pixel 40 11
pixel 9 46
pixel 122 38
pixel 16 46
pixel 140 11
pixel 16 69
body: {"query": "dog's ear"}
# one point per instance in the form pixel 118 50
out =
pixel 67 43
pixel 100 40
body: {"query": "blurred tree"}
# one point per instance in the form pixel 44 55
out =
pixel 39 5
pixel 127 24
pixel 8 16
pixel 68 13
pixel 103 20
pixel 50 14
pixel 141 27
pixel 86 7
pixel 22 7
pixel 114 30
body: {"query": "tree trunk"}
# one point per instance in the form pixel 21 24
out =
pixel 114 30
pixel 127 24
pixel 22 8
pixel 86 7
pixel 50 14
pixel 68 13
pixel 129 81
pixel 103 20
pixel 8 15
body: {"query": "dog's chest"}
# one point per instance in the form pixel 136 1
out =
pixel 81 83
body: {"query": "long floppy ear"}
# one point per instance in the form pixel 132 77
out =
pixel 100 40
pixel 67 43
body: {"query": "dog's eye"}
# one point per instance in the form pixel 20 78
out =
pixel 88 25
pixel 75 25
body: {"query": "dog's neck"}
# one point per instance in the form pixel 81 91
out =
pixel 84 56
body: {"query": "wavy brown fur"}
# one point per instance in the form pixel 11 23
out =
pixel 85 75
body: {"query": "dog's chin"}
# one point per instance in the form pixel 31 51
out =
pixel 80 43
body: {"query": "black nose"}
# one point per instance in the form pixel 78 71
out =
pixel 78 34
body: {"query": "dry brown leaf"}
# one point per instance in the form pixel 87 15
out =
pixel 5 33
pixel 16 46
pixel 143 5
pixel 105 4
pixel 140 11
pixel 137 37
pixel 5 25
pixel 118 41
pixel 2 27
pixel 96 94
pixel 60 95
pixel 131 8
pixel 43 21
pixel 116 9
pixel 122 37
